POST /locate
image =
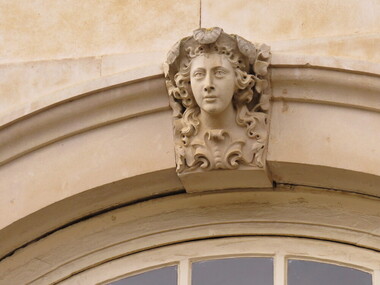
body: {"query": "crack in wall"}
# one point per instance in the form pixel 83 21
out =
pixel 200 13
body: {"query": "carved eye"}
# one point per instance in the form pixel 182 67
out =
pixel 219 73
pixel 198 74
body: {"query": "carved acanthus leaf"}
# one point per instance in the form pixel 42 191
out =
pixel 207 36
pixel 261 67
pixel 173 53
pixel 246 48
pixel 217 151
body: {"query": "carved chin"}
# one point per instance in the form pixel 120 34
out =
pixel 213 108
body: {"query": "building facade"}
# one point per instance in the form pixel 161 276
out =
pixel 89 192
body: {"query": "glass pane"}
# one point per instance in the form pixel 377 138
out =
pixel 162 276
pixel 302 272
pixel 233 271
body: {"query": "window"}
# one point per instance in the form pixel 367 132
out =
pixel 240 261
pixel 301 272
pixel 252 271
pixel 161 276
pixel 237 271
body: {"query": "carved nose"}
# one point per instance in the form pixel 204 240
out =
pixel 209 88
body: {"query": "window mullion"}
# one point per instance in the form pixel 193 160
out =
pixel 184 272
pixel 376 277
pixel 279 270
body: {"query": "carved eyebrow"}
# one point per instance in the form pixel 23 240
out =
pixel 199 69
pixel 220 67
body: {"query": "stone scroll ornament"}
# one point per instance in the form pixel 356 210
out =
pixel 219 91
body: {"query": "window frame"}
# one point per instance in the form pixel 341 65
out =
pixel 279 248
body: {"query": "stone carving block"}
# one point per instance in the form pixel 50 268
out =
pixel 219 91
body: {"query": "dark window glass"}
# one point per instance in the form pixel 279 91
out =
pixel 302 272
pixel 162 276
pixel 233 271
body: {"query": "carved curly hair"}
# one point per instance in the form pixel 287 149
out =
pixel 182 93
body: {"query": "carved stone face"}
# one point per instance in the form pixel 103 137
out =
pixel 213 82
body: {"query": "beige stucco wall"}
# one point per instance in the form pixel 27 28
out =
pixel 49 45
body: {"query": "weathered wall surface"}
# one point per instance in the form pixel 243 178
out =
pixel 49 45
pixel 85 122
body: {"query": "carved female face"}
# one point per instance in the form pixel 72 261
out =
pixel 213 82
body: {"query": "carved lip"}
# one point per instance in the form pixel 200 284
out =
pixel 210 98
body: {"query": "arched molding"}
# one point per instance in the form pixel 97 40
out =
pixel 286 212
pixel 81 109
pixel 79 90
pixel 324 122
